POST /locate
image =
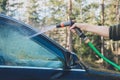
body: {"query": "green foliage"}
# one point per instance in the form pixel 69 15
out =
pixel 110 13
pixel 3 5
pixel 58 10
pixel 12 8
pixel 32 13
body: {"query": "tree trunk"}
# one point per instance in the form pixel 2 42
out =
pixel 117 43
pixel 69 37
pixel 102 23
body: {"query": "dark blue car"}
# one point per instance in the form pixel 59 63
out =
pixel 39 58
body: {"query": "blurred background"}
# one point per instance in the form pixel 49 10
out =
pixel 41 13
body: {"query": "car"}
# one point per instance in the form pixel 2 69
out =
pixel 23 57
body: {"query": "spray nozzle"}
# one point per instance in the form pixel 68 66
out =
pixel 64 24
pixel 70 23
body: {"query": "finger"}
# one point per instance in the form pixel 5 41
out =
pixel 72 30
pixel 73 26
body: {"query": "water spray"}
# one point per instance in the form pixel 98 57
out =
pixel 87 41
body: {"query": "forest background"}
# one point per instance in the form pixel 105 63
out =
pixel 41 13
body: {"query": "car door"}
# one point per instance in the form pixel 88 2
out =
pixel 24 58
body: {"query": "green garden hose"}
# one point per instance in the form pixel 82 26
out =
pixel 103 57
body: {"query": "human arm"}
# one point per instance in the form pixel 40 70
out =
pixel 100 30
pixel 112 32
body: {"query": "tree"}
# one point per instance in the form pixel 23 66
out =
pixel 87 14
pixel 57 10
pixel 112 17
pixel 13 8
pixel 3 4
pixel 32 13
pixel 69 38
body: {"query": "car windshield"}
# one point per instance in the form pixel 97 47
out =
pixel 17 49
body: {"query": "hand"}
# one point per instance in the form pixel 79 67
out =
pixel 82 26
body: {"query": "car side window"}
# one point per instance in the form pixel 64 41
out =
pixel 18 50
